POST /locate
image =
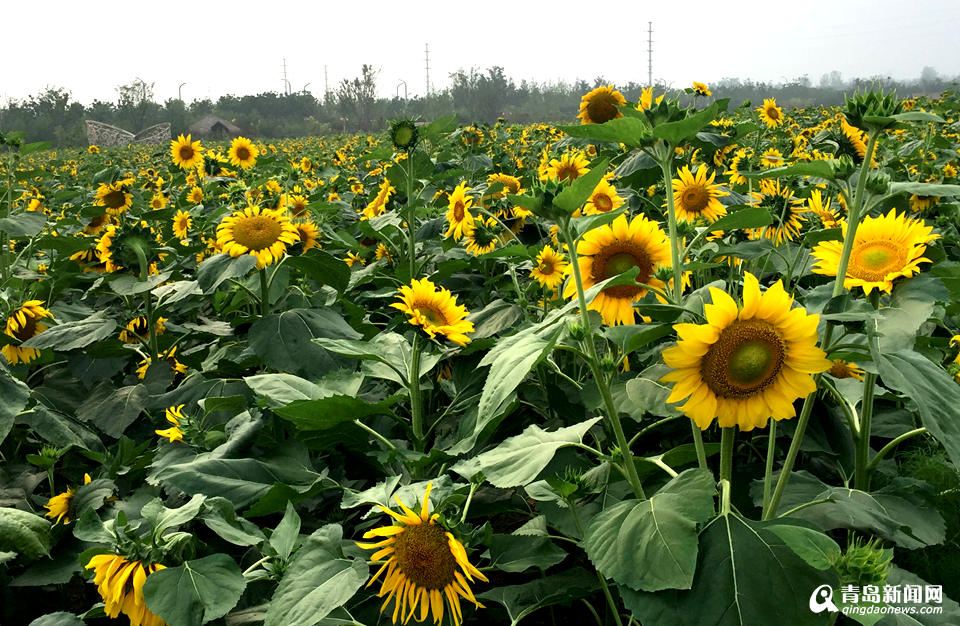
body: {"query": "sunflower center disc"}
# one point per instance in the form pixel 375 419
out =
pixel 603 203
pixel 257 232
pixel 458 213
pixel 618 262
pixel 28 330
pixel 567 173
pixel 546 268
pixel 115 199
pixel 746 358
pixel 433 315
pixel 695 199
pixel 773 113
pixel 243 153
pixel 423 555
pixel 602 108
pixel 186 153
pixel 874 260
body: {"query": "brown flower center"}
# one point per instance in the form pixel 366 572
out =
pixel 602 108
pixel 115 199
pixel 458 213
pixel 773 113
pixel 423 555
pixel 28 330
pixel 243 153
pixel 617 260
pixel 694 198
pixel 568 172
pixel 186 152
pixel 602 202
pixel 746 359
pixel 257 232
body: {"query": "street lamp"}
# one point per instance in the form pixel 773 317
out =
pixel 180 92
pixel 404 83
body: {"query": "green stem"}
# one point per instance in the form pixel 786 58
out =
pixel 891 445
pixel 768 468
pixel 861 474
pixel 666 166
pixel 698 445
pixel 466 505
pixel 411 221
pixel 376 435
pixel 593 361
pixel 416 409
pixel 771 510
pixel 603 581
pixel 727 436
pixel 264 293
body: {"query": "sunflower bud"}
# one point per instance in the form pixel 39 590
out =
pixel 404 134
pixel 872 110
pixel 878 182
pixel 864 563
pixel 577 331
pixel 844 166
pixel 608 363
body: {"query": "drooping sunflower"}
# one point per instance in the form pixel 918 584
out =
pixel 458 214
pixel 701 89
pixel 262 233
pixel 424 565
pixel 181 224
pixel 308 233
pixel 96 224
pixel 511 185
pixel 186 154
pixel 378 205
pixel 243 153
pixel 484 236
pixel 382 252
pixel 568 167
pixel 60 506
pixel 174 415
pixel 853 141
pixel 195 196
pixel 168 356
pixel 612 249
pixel 114 197
pixel 746 364
pixel 695 195
pixel 786 209
pixel 136 329
pixel 435 310
pixel 843 369
pixel 770 113
pixel 603 199
pixel 884 249
pixel 821 208
pixel 550 268
pixel 922 203
pixel 600 105
pixel 120 583
pixel 23 324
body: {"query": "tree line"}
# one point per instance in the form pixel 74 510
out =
pixel 476 96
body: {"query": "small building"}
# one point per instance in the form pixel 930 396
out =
pixel 214 127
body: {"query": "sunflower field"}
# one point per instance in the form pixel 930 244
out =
pixel 675 364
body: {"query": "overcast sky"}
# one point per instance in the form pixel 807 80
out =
pixel 239 47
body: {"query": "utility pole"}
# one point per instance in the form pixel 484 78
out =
pixel 427 50
pixel 286 83
pixel 649 54
pixel 326 84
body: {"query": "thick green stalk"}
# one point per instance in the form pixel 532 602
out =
pixel 613 414
pixel 727 436
pixel 838 287
pixel 666 166
pixel 861 474
pixel 698 445
pixel 768 468
pixel 264 293
pixel 411 219
pixel 416 408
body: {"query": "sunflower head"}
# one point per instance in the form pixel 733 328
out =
pixel 243 153
pixel 770 113
pixel 435 310
pixel 550 268
pixel 186 154
pixel 23 324
pixel 261 233
pixel 404 134
pixel 425 568
pixel 601 105
pixel 120 583
pixel 701 89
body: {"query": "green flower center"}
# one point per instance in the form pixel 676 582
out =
pixel 875 259
pixel 745 359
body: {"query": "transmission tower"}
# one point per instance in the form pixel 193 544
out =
pixel 286 83
pixel 649 54
pixel 326 84
pixel 427 58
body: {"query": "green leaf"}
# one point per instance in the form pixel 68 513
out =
pixel 519 459
pixel 282 389
pixel 818 168
pixel 317 581
pixel 678 132
pixel 531 203
pixel 328 412
pixel 815 548
pixel 36 146
pixel 646 394
pixel 127 285
pixel 24 533
pixel 581 225
pixel 924 189
pixel 283 340
pixel 113 413
pixel 632 337
pixel 322 267
pixel 933 390
pixel 221 267
pixel 92 495
pixel 911 305
pixel 14 395
pixel 176 291
pixel 58 429
pixel 624 539
pixel 746 217
pixel 285 535
pixel 220 517
pixel 440 126
pixel 72 335
pixel 574 196
pixel 632 131
pixel 23 225
pixel 744 575
pixel 60 618
pixel 162 519
pixel 516 553
pixel 389 349
pixel 918 116
pixel 522 600
pixel 497 316
pixel 196 592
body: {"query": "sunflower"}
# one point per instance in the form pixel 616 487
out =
pixel 771 157
pixel 186 154
pixel 458 214
pixel 483 237
pixel 158 201
pixel 854 140
pixel 770 113
pixel 785 208
pixel 568 167
pixel 382 252
pixel 297 204
pixel 922 203
pixel 195 196
pixel 120 583
pixel 137 330
pixel 308 233
pixel 181 223
pixel 22 325
pixel 600 105
pixel 701 90
pixel 169 356
pixel 550 268
pixel 96 224
pixel 511 185
pixel 434 310
pixel 174 415
pixel 422 561
pixel 603 199
pixel 114 197
pixel 695 195
pixel 843 369
pixel 92 149
pixel 60 506
pixel 746 364
pixel 378 205
pixel 821 208
pixel 243 153
pixel 613 249
pixel 352 258
pixel 884 249
pixel 262 233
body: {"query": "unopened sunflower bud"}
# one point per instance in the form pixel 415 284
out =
pixel 608 363
pixel 864 564
pixel 577 331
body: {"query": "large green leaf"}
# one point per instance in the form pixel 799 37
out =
pixel 623 540
pixel 516 553
pixel 911 304
pixel 13 397
pixel 284 536
pixel 317 581
pixel 284 340
pixel 811 545
pixel 924 189
pixel 23 225
pixel 819 169
pixel 574 196
pixel 745 575
pixel 933 390
pixel 114 411
pixel 746 217
pixel 390 353
pixel 71 335
pixel 322 267
pixel 221 267
pixel 24 533
pixel 219 516
pixel 678 132
pixel 522 600
pixel 324 413
pixel 519 459
pixel 631 131
pixel 60 618
pixel 196 592
pixel 59 429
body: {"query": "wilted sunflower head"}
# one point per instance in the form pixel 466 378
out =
pixel 404 134
pixel 600 105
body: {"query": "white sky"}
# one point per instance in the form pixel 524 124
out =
pixel 239 47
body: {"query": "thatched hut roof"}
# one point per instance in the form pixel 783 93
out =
pixel 213 125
